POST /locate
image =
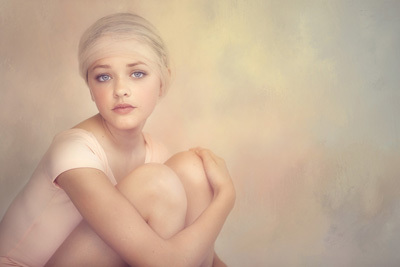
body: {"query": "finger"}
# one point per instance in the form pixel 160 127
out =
pixel 196 149
pixel 210 157
pixel 203 152
pixel 218 160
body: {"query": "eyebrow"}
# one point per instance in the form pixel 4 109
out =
pixel 135 64
pixel 109 67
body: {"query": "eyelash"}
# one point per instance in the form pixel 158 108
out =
pixel 141 73
pixel 100 78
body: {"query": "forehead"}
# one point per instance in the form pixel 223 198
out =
pixel 107 47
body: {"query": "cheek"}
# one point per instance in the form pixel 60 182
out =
pixel 99 97
pixel 149 98
pixel 97 91
pixel 152 93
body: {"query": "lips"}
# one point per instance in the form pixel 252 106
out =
pixel 123 108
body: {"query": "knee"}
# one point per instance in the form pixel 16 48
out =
pixel 156 186
pixel 189 168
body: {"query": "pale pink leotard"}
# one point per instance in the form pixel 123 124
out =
pixel 42 215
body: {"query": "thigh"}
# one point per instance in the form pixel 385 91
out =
pixel 199 194
pixel 157 194
pixel 189 168
pixel 84 247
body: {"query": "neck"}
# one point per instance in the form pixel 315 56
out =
pixel 124 140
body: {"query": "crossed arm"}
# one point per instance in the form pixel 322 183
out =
pixel 120 225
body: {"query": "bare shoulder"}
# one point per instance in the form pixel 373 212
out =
pixel 92 124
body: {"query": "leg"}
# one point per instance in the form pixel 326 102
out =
pixel 189 168
pixel 157 194
pixel 163 203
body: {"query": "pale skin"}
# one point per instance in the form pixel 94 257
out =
pixel 158 214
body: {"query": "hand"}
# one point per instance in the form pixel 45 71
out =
pixel 216 171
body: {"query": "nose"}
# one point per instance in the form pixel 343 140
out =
pixel 121 88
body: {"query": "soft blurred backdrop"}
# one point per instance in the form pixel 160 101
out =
pixel 300 97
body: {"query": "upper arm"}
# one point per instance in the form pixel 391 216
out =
pixel 112 216
pixel 119 224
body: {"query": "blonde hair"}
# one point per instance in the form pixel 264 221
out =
pixel 118 28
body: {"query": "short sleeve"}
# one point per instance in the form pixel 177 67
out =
pixel 71 150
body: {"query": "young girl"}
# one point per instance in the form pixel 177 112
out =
pixel 101 195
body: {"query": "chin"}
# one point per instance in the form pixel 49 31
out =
pixel 125 123
pixel 129 125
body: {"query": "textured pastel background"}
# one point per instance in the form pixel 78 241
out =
pixel 300 97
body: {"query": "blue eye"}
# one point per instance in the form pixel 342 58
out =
pixel 103 78
pixel 138 74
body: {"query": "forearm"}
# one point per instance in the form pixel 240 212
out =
pixel 193 243
pixel 129 235
pixel 205 229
